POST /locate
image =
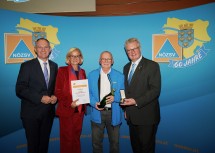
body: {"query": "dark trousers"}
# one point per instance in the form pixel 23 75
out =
pixel 142 138
pixel 98 133
pixel 37 133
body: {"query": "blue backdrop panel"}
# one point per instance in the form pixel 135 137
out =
pixel 187 96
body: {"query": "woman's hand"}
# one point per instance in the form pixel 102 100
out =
pixel 74 103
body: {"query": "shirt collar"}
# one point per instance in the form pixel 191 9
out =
pixel 102 72
pixel 137 61
pixel 41 61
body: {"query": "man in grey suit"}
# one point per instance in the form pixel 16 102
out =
pixel 36 92
pixel 142 90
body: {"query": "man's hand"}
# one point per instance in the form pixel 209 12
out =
pixel 109 99
pixel 46 100
pixel 53 99
pixel 128 102
pixel 97 104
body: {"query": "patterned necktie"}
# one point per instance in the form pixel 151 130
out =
pixel 46 75
pixel 131 73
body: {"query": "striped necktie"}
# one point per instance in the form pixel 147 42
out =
pixel 131 73
pixel 46 75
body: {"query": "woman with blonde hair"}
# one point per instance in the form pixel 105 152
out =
pixel 69 112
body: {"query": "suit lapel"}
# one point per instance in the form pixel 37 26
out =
pixel 126 74
pixel 52 72
pixel 39 71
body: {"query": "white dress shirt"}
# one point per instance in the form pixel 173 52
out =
pixel 105 87
pixel 42 65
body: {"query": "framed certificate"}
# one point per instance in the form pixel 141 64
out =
pixel 80 91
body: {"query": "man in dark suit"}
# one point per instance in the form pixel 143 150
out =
pixel 142 90
pixel 37 100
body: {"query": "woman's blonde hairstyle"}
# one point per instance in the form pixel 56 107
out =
pixel 69 54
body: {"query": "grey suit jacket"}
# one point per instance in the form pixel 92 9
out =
pixel 31 86
pixel 145 88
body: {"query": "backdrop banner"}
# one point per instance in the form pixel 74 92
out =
pixel 182 42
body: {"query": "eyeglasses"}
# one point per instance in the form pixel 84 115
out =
pixel 75 56
pixel 106 59
pixel 133 49
pixel 43 48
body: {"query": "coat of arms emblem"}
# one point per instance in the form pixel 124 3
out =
pixel 39 32
pixel 186 35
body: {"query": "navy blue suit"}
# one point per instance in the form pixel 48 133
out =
pixel 30 88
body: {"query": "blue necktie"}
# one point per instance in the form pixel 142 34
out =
pixel 131 73
pixel 46 75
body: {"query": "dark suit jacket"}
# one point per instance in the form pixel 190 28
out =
pixel 31 86
pixel 145 88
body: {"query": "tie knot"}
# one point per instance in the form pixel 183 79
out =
pixel 45 63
